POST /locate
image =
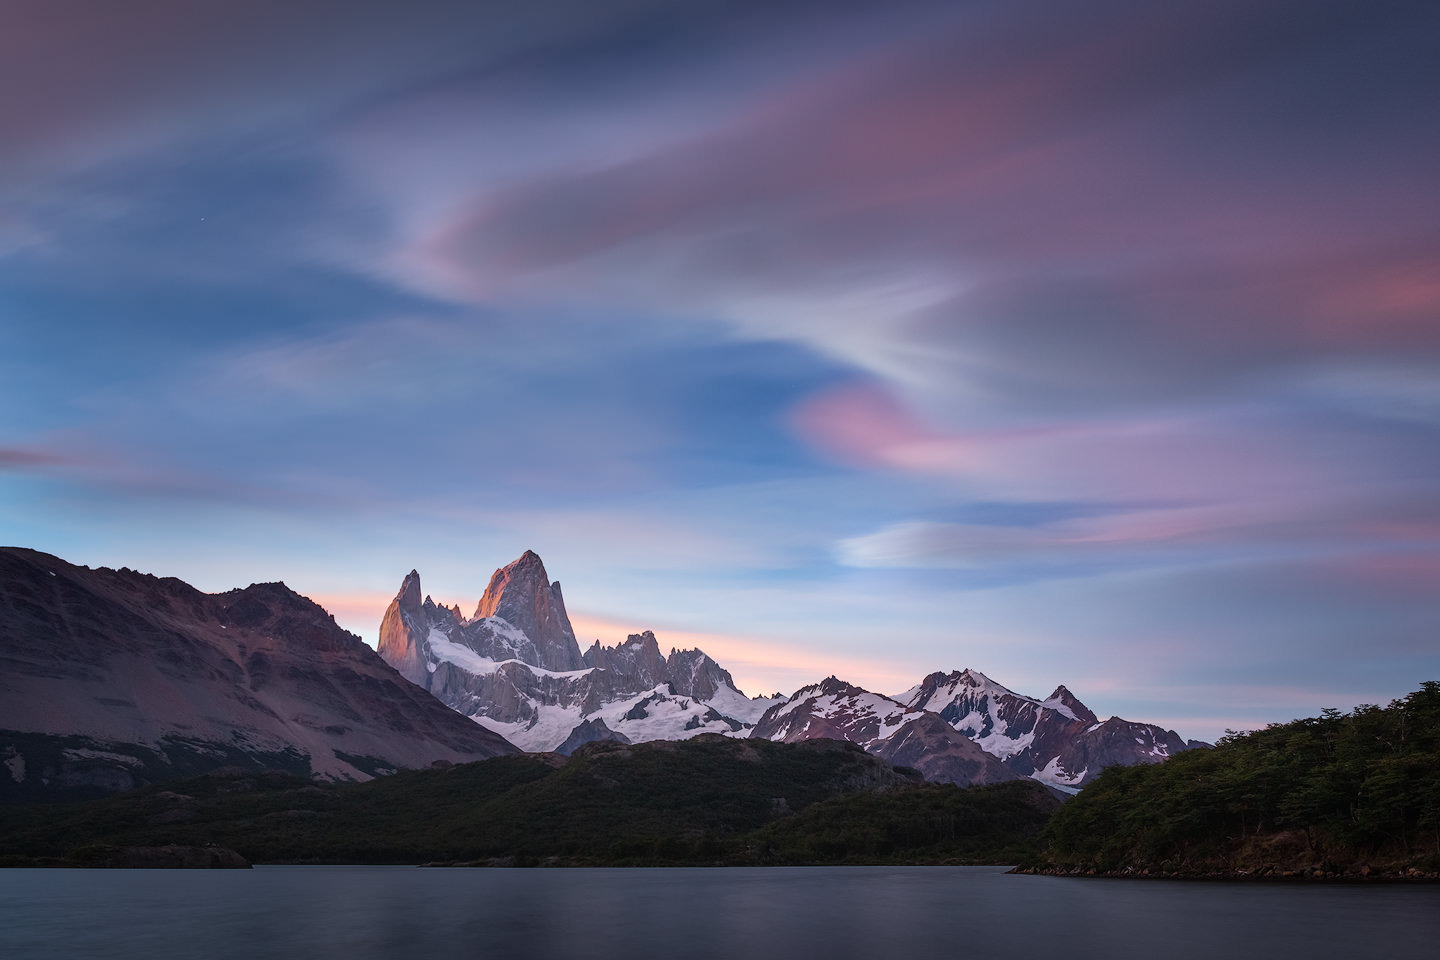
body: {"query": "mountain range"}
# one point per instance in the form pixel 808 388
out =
pixel 516 668
pixel 111 679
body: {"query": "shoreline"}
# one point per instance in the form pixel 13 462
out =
pixel 1261 875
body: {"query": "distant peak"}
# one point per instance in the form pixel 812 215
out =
pixel 833 686
pixel 1063 697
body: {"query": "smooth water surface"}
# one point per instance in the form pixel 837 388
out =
pixel 797 913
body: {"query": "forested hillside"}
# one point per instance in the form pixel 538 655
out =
pixel 1340 794
pixel 709 800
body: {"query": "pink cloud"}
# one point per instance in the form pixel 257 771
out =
pixel 360 613
pixel 23 459
pixel 1201 456
pixel 1210 483
pixel 1400 574
pixel 864 425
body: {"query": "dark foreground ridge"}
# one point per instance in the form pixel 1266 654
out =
pixel 1343 796
pixel 114 679
pixel 707 801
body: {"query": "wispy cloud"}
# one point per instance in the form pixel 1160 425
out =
pixel 981 331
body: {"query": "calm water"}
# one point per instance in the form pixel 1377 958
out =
pixel 800 914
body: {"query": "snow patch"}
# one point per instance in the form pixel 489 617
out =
pixel 443 648
pixel 1057 776
pixel 514 637
pixel 908 697
pixel 667 716
pixel 1059 707
pixel 1005 747
pixel 85 753
pixel 546 731
pixel 734 704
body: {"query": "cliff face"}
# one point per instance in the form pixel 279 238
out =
pixel 109 678
pixel 400 633
pixel 522 595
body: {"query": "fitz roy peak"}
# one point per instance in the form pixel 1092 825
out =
pixel 522 596
pixel 521 616
pixel 516 668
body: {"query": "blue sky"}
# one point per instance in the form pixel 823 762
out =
pixel 1088 344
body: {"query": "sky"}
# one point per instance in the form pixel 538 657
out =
pixel 1094 344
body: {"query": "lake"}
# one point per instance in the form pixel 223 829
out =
pixel 802 913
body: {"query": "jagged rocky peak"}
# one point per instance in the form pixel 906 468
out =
pixel 637 660
pixel 522 595
pixel 409 595
pixel 1063 698
pixel 831 686
pixel 968 685
pixel 403 630
pixel 974 678
pixel 695 674
pixel 690 673
pixel 642 646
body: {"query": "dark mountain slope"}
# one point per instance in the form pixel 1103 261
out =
pixel 113 678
